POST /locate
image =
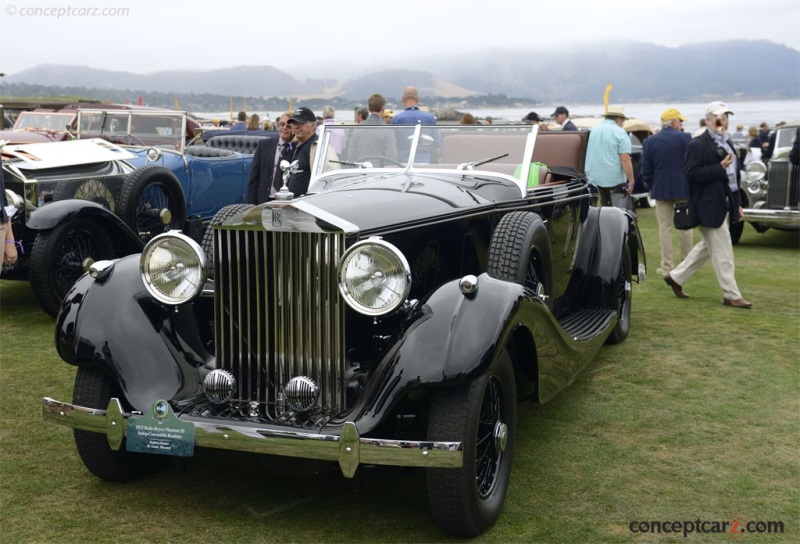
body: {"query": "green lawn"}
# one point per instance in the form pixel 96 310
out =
pixel 695 416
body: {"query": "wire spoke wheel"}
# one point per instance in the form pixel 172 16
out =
pixel 95 191
pixel 155 211
pixel 152 202
pixel 482 415
pixel 59 257
pixel 489 455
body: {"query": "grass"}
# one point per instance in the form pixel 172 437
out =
pixel 694 416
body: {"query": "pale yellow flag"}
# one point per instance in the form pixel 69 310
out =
pixel 605 97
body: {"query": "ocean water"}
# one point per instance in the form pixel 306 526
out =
pixel 745 112
pixel 752 112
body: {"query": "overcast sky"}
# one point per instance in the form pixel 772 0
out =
pixel 148 35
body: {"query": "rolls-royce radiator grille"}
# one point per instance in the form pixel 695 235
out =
pixel 784 185
pixel 279 314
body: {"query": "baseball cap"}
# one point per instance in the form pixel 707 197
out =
pixel 303 115
pixel 718 108
pixel 561 109
pixel 672 114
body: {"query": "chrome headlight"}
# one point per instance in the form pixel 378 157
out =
pixel 755 171
pixel 173 268
pixel 374 277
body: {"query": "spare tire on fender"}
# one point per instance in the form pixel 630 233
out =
pixel 152 202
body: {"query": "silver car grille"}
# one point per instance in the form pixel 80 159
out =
pixel 783 185
pixel 279 314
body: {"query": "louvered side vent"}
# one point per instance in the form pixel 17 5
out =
pixel 279 314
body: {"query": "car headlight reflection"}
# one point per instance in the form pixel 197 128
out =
pixel 374 277
pixel 173 268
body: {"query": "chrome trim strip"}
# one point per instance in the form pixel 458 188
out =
pixel 787 218
pixel 373 451
pixel 338 222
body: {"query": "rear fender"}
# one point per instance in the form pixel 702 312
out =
pixel 61 212
pixel 450 338
pixel 153 351
pixel 597 264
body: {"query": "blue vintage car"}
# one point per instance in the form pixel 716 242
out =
pixel 136 164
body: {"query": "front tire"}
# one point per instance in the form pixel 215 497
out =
pixel 94 389
pixel 59 256
pixel 152 202
pixel 466 501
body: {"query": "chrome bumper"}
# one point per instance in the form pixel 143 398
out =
pixel 348 448
pixel 783 218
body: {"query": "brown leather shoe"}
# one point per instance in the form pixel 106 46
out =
pixel 677 289
pixel 738 303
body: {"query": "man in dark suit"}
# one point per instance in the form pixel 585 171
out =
pixel 713 172
pixel 304 124
pixel 266 177
pixel 561 116
pixel 662 170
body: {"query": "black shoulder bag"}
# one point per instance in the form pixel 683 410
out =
pixel 684 217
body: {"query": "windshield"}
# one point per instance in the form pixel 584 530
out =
pixel 350 149
pixel 162 129
pixel 36 120
pixel 785 137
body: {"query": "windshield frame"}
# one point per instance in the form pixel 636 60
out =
pixel 179 122
pixel 23 116
pixel 326 166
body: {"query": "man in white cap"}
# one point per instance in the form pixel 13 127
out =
pixel 608 156
pixel 713 172
pixel 662 171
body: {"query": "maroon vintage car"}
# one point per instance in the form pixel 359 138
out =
pixel 57 124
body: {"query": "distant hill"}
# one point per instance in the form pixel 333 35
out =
pixel 640 72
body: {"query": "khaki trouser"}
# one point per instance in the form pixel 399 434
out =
pixel 665 209
pixel 715 245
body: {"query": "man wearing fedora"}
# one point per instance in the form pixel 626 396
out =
pixel 712 170
pixel 662 171
pixel 608 156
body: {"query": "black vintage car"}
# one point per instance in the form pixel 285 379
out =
pixel 393 316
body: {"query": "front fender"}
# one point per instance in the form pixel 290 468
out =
pixel 153 351
pixel 450 338
pixel 61 212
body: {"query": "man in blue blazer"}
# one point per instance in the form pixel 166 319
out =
pixel 662 170
pixel 561 116
pixel 266 178
pixel 712 169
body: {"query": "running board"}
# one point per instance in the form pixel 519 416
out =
pixel 584 324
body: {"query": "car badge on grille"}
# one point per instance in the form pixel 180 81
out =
pixel 277 218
